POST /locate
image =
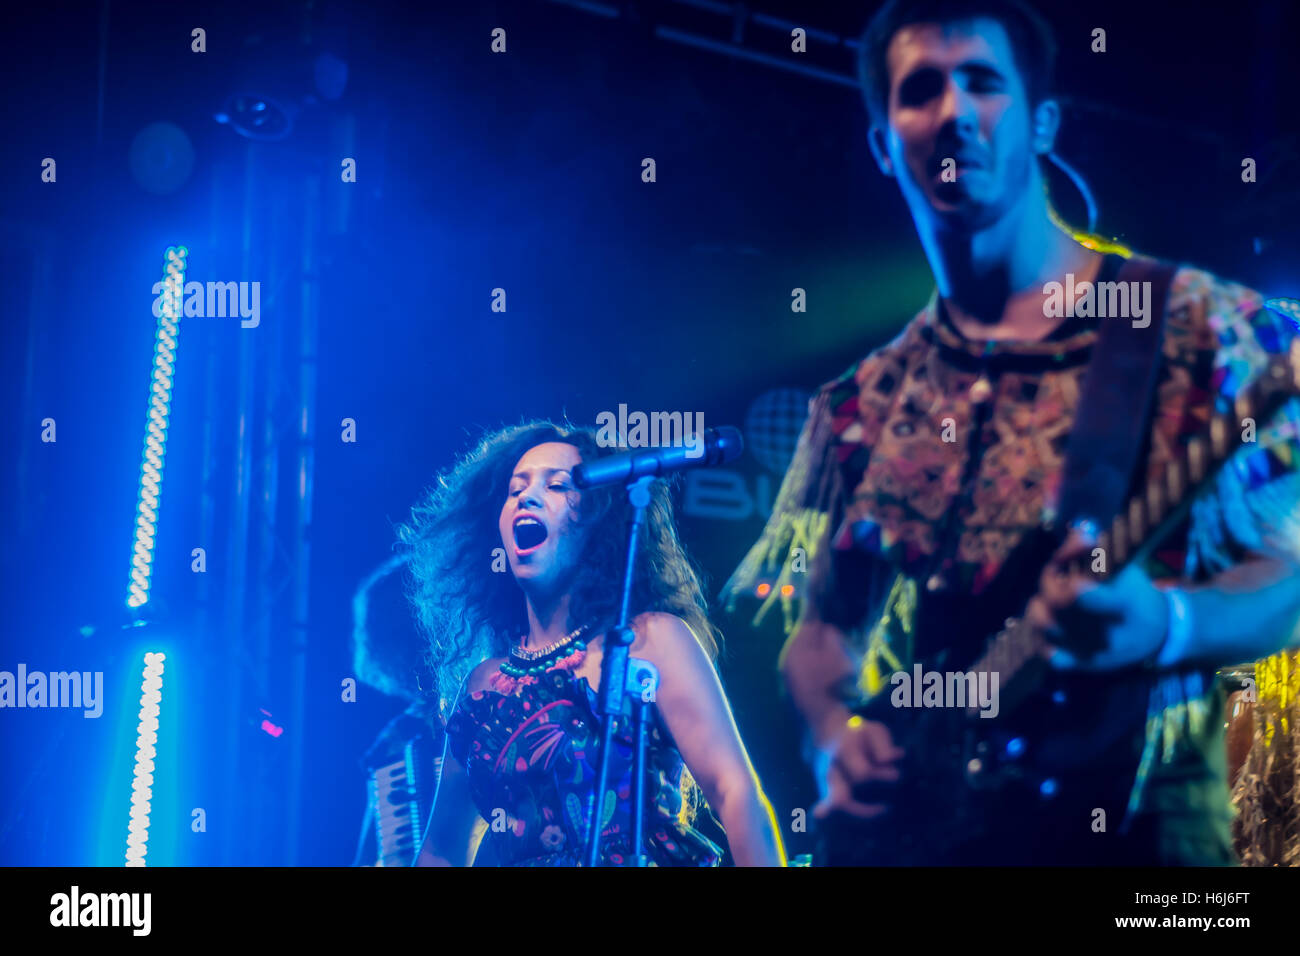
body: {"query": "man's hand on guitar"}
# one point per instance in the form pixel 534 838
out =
pixel 862 751
pixel 1096 626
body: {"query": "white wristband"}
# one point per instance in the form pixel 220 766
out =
pixel 1180 629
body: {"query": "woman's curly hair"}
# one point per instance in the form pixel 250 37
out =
pixel 470 612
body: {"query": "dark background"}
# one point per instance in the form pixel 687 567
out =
pixel 475 171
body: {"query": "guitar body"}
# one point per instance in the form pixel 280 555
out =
pixel 1016 788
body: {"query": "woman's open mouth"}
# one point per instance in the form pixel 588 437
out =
pixel 530 533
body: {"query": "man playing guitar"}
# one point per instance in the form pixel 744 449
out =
pixel 923 472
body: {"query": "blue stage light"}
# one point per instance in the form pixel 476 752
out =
pixel 146 740
pixel 155 439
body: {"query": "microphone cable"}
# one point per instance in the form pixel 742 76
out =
pixel 437 786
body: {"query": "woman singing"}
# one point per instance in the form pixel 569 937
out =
pixel 515 578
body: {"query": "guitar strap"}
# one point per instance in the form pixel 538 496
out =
pixel 1108 442
pixel 1104 458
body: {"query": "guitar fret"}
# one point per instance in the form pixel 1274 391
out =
pixel 1136 527
pixel 1219 437
pixel 1196 460
pixel 1119 537
pixel 1174 481
pixel 1155 502
pixel 1242 407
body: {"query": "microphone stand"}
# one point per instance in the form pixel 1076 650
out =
pixel 642 684
pixel 613 691
pixel 720 445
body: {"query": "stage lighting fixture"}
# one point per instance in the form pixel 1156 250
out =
pixel 155 439
pixel 146 740
pixel 257 117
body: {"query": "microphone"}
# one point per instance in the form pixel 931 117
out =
pixel 719 445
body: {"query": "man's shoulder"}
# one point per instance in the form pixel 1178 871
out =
pixel 1254 504
pixel 889 355
pixel 1209 312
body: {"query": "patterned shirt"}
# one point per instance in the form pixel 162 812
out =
pixel 924 465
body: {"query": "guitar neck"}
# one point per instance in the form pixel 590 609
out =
pixel 1020 650
pixel 1156 511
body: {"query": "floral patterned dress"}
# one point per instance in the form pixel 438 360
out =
pixel 532 758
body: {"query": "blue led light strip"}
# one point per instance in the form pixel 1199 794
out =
pixel 155 439
pixel 146 740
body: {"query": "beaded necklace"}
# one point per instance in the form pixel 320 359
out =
pixel 523 666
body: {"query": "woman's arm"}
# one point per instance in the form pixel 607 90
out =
pixel 694 707
pixel 457 827
pixel 453 839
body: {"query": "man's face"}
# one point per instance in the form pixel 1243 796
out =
pixel 955 93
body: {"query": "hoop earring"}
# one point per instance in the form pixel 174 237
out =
pixel 1079 184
